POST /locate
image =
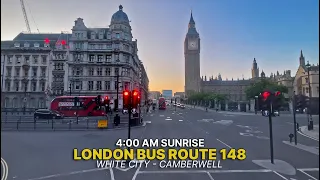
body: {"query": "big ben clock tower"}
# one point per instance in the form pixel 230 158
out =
pixel 192 59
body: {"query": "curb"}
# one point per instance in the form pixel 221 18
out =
pixel 303 128
pixel 70 130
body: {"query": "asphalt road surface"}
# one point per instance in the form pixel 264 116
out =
pixel 48 155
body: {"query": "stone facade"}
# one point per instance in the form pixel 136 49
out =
pixel 86 62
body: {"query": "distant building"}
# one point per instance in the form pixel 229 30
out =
pixel 154 94
pixel 167 94
pixel 179 94
pixel 300 83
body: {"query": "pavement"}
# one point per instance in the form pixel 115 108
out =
pixel 51 152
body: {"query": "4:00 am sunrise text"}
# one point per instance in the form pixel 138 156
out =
pixel 196 143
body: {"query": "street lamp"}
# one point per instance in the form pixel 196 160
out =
pixel 310 121
pixel 256 104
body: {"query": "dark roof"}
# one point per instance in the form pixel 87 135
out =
pixel 35 38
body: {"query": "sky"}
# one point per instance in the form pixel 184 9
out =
pixel 232 32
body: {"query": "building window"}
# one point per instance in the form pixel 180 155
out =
pixel 116 46
pixel 99 71
pixel 90 85
pixel 126 58
pixel 78 85
pixel 91 71
pixel 43 72
pixel 26 72
pixel 116 71
pixel 18 59
pixel 100 46
pixel 99 87
pixel 91 58
pixel 9 71
pixel 36 45
pixel 8 85
pixel 35 59
pixel 34 86
pixel 14 102
pixel 108 72
pixel 116 57
pixel 107 85
pixel 78 57
pixel 46 45
pixel 92 35
pixel 34 71
pixel 17 71
pixel 109 46
pixel 307 90
pixel 108 58
pixel 26 45
pixel 78 71
pixel 25 86
pixel 44 60
pixel 124 71
pixel 101 35
pixel 43 86
pixel 27 59
pixel 10 59
pixel 16 45
pixel 100 58
pixel 117 35
pixel 16 86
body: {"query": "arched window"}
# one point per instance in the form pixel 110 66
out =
pixel 6 102
pixel 41 103
pixel 15 102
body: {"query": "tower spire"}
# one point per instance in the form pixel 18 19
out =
pixel 191 18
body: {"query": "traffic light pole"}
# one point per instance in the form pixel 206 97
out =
pixel 70 89
pixel 117 103
pixel 294 118
pixel 175 102
pixel 310 123
pixel 270 132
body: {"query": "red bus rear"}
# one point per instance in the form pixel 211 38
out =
pixel 162 103
pixel 87 106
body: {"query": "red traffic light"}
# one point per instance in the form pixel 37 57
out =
pixel 265 95
pixel 135 93
pixel 106 98
pixel 126 93
pixel 277 93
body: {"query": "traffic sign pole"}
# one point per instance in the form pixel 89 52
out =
pixel 294 118
pixel 270 133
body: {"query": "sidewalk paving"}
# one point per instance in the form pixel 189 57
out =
pixel 312 133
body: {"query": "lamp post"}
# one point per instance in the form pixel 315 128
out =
pixel 256 103
pixel 310 121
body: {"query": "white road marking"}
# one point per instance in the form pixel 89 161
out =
pixel 308 169
pixel 224 143
pixel 161 115
pixel 308 136
pixel 111 174
pixel 290 123
pixel 211 178
pixel 68 174
pixel 280 175
pixel 168 119
pixel 180 120
pixel 5 169
pixel 308 175
pixel 136 173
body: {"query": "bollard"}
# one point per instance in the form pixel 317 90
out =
pixel 70 124
pixel 291 136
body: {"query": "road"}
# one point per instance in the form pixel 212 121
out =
pixel 51 152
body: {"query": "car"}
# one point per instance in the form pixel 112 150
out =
pixel 178 104
pixel 47 114
pixel 182 106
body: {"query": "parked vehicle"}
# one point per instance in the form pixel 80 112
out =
pixel 47 114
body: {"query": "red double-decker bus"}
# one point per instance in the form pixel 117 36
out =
pixel 162 103
pixel 86 107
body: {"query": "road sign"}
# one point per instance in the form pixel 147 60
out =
pixel 134 111
pixel 102 123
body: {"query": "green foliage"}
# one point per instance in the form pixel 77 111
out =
pixel 204 96
pixel 264 84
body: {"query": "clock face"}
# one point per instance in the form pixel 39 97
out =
pixel 192 45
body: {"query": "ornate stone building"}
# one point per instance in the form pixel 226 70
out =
pixel 89 61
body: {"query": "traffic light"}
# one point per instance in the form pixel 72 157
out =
pixel 277 101
pixel 264 100
pixel 106 101
pixel 135 98
pixel 126 99
pixel 76 101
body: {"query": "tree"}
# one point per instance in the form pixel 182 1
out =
pixel 207 96
pixel 256 88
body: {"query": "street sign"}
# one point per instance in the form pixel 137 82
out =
pixel 134 111
pixel 102 123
